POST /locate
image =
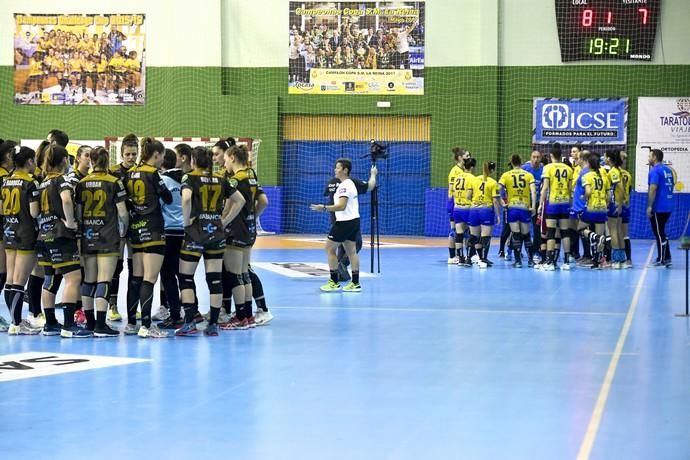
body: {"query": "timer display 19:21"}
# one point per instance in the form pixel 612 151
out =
pixel 614 46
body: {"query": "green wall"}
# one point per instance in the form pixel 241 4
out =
pixel 486 109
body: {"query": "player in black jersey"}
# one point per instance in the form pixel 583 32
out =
pixel 103 215
pixel 6 152
pixel 242 234
pixel 129 149
pixel 146 234
pixel 57 244
pixel 19 197
pixel 208 206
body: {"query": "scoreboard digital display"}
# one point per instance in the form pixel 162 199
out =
pixel 607 29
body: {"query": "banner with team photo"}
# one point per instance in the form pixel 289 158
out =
pixel 663 120
pixel 581 121
pixel 70 59
pixel 374 48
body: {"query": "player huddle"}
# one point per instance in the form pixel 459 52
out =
pixel 69 225
pixel 567 201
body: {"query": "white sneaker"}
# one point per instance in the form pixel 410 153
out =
pixel 475 259
pixel 225 318
pixel 162 314
pixel 482 264
pixel 131 329
pixel 565 267
pixel 549 268
pixel 152 332
pixel 452 260
pixel 616 266
pixel 627 264
pixel 262 318
pixel 23 329
pixel 36 322
pixel 539 266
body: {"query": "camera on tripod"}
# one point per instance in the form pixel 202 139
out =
pixel 378 151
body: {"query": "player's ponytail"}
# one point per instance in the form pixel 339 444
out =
pixel 515 160
pixel 41 153
pixel 241 154
pixel 458 153
pixel 100 159
pixel 55 157
pixel 489 167
pixel 203 159
pixel 149 147
pixel 614 157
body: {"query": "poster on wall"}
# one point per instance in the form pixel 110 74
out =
pixel 663 123
pixel 374 48
pixel 70 59
pixel 580 121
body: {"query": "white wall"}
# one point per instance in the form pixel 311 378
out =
pixel 178 32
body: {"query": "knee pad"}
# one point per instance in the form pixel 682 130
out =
pixel 459 237
pixel 526 240
pixel 246 278
pixel 515 240
pixel 49 282
pixel 187 282
pixel 102 289
pixel 88 289
pixel 550 233
pixel 214 282
pixel 118 268
pixel 473 240
pixel 452 234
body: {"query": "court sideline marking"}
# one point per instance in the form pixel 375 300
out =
pixel 598 412
pixel 449 310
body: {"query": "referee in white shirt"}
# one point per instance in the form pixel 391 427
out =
pixel 346 227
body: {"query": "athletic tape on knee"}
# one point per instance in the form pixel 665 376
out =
pixel 88 289
pixel 102 289
pixel 214 282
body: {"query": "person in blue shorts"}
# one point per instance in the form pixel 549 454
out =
pixel 660 204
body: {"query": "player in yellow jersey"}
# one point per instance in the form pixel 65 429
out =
pixel 117 70
pixel 7 149
pixel 598 196
pixel 555 202
pixel 132 68
pixel 521 198
pixel 615 225
pixel 75 62
pixel 484 213
pixel 455 171
pixel 627 181
pixel 102 72
pixel 35 74
pixel 89 71
pixel 461 208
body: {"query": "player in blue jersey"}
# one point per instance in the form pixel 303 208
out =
pixel 536 168
pixel 660 204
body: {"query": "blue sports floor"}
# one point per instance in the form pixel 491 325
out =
pixel 429 361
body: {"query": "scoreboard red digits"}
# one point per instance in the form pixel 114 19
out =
pixel 607 29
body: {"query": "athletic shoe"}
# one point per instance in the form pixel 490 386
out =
pixel 352 287
pixel 199 318
pixel 488 262
pixel 474 259
pixel 482 264
pixel 187 329
pixel 152 332
pixel 36 322
pixel 263 317
pixel 211 330
pixel 170 323
pixel 235 324
pixel 251 322
pixel 131 329
pixel 51 329
pixel 565 266
pixel 627 264
pixel 330 286
pixel 584 262
pixel 105 331
pixel 452 260
pixel 23 329
pixel 75 332
pixel 79 317
pixel 224 317
pixel 162 314
pixel 501 254
pixel 616 265
pixel 4 324
pixel 509 257
pixel 530 262
pixel 113 314
pixel 517 264
pixel 549 267
pixel 226 320
pixel 668 263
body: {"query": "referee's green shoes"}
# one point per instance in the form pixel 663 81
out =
pixel 331 286
pixel 352 287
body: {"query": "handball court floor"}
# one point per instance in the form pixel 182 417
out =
pixel 429 361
